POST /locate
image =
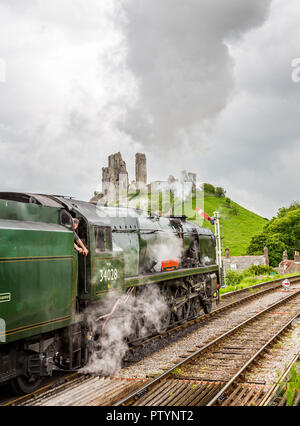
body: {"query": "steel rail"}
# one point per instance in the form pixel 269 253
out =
pixel 198 320
pixel 203 349
pixel 243 300
pixel 250 361
pixel 272 393
pixel 57 382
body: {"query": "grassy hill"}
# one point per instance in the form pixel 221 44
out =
pixel 238 224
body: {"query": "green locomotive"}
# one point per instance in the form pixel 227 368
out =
pixel 46 287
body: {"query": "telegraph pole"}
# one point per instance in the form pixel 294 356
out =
pixel 215 220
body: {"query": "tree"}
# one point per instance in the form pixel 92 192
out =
pixel 209 188
pixel 220 192
pixel 280 233
pixel 283 210
pixel 275 246
pixel 228 203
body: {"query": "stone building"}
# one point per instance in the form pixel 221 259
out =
pixel 240 263
pixel 289 266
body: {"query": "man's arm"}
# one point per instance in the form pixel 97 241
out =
pixel 85 250
pixel 78 248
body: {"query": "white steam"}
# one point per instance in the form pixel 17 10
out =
pixel 147 311
pixel 170 248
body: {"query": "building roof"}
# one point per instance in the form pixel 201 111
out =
pixel 243 262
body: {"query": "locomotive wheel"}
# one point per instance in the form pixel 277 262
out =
pixel 23 385
pixel 183 311
pixel 165 322
pixel 207 307
pixel 138 330
pixel 196 307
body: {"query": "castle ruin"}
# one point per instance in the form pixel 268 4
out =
pixel 114 177
pixel 115 181
pixel 141 169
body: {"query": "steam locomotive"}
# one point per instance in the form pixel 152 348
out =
pixel 46 287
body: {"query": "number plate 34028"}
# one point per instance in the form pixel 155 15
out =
pixel 108 274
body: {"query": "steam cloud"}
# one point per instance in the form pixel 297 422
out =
pixel 148 308
pixel 178 52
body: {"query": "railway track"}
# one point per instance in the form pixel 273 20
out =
pixel 82 391
pixel 277 394
pixel 214 374
pixel 70 383
pixel 229 301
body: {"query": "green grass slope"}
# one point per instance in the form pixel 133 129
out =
pixel 238 225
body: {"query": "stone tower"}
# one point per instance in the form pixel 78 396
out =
pixel 114 177
pixel 141 169
pixel 190 178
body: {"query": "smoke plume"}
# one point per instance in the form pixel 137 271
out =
pixel 177 51
pixel 146 311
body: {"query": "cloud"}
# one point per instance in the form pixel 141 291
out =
pixel 66 86
pixel 201 85
pixel 177 51
pixel 256 143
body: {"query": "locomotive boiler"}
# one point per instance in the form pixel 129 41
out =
pixel 46 287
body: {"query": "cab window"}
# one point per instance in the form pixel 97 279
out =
pixel 103 241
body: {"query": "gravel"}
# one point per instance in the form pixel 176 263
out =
pixel 169 356
pixel 273 364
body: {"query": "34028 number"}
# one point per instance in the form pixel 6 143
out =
pixel 108 275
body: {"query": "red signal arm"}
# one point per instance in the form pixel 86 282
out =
pixel 205 216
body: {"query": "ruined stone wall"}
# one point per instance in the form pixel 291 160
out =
pixel 189 178
pixel 141 169
pixel 115 176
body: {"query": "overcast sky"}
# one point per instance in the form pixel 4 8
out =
pixel 201 85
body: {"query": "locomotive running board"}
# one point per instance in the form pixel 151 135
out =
pixel 165 276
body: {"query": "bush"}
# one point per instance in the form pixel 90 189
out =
pixel 209 188
pixel 234 210
pixel 228 202
pixel 233 278
pixel 256 270
pixel 250 280
pixel 220 192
